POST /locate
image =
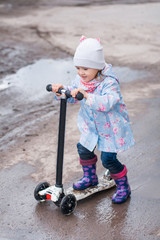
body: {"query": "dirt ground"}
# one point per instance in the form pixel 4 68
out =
pixel 130 34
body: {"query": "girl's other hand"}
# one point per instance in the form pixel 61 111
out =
pixel 55 88
pixel 75 91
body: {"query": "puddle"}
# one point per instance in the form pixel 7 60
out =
pixel 126 74
pixel 32 79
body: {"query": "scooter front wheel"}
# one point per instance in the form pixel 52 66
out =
pixel 40 187
pixel 68 204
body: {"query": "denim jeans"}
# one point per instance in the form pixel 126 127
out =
pixel 109 159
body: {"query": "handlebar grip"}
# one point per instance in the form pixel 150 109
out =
pixel 79 96
pixel 49 87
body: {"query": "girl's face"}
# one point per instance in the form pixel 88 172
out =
pixel 87 74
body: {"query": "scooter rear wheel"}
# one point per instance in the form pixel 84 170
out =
pixel 41 186
pixel 68 204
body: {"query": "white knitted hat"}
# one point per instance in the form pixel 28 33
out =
pixel 89 54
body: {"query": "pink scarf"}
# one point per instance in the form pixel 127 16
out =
pixel 89 86
pixel 93 84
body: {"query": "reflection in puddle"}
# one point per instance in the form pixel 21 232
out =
pixel 4 84
pixel 33 78
pixel 104 211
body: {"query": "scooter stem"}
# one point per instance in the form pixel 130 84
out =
pixel 61 135
pixel 61 138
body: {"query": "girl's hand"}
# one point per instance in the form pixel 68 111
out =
pixel 55 88
pixel 75 91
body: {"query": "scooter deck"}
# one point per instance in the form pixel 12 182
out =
pixel 105 182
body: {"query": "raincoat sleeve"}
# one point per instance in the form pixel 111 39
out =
pixel 110 96
pixel 74 84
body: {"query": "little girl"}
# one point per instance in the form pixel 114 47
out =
pixel 103 118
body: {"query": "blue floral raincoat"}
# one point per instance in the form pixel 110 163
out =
pixel 103 118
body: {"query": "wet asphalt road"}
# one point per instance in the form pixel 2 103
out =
pixel 23 218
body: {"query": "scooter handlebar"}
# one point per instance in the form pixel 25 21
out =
pixel 79 95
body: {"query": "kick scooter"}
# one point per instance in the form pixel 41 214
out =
pixel 67 200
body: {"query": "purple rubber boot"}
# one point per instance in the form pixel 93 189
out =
pixel 89 178
pixel 123 190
